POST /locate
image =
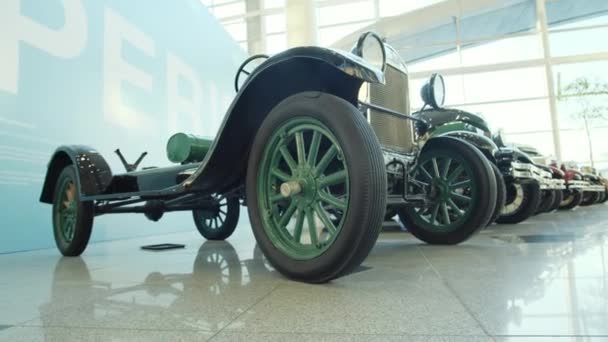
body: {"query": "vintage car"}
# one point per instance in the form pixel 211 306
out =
pixel 552 194
pixel 521 182
pixel 318 158
pixel 581 188
pixel 596 192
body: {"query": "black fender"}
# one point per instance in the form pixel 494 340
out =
pixel 444 140
pixel 93 174
pixel 304 71
pixel 483 143
pixel 442 116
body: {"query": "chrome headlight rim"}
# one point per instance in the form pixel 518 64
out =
pixel 360 48
pixel 430 89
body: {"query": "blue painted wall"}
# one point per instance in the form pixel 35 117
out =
pixel 105 73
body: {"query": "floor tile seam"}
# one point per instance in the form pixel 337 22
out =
pixel 60 326
pixel 551 335
pixel 274 288
pixel 453 292
pixel 262 332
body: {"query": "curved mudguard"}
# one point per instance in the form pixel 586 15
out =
pixel 483 143
pixel 298 70
pixel 438 117
pixel 93 172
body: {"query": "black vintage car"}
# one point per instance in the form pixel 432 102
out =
pixel 320 154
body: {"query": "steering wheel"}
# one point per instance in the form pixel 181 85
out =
pixel 242 70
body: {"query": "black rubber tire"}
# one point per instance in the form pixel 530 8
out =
pixel 605 198
pixel 546 201
pixel 223 231
pixel 501 193
pixel 528 205
pixel 368 186
pixel 559 197
pixel 480 216
pixel 590 198
pixel 571 200
pixel 84 217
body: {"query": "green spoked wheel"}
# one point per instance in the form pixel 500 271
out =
pixel 218 221
pixel 316 187
pixel 461 189
pixel 72 219
pixel 304 194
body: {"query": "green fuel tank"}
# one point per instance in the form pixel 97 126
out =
pixel 187 148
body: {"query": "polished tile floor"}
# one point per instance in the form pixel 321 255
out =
pixel 543 280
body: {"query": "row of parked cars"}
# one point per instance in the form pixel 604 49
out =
pixel 321 146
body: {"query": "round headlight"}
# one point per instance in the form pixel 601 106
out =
pixel 433 92
pixel 370 47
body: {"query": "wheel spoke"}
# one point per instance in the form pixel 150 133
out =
pixel 455 208
pixel 460 197
pixel 282 176
pixel 332 200
pixel 446 168
pixel 325 219
pixel 455 173
pixel 312 227
pixel 297 232
pixel 327 158
pixel 314 148
pixel 460 185
pixel 435 167
pixel 288 158
pixel 333 179
pixel 288 214
pixel 221 220
pixel 434 212
pixel 276 198
pixel 425 173
pixel 444 212
pixel 223 212
pixel 300 148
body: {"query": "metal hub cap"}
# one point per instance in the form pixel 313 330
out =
pixel 68 210
pixel 515 198
pixel 450 187
pixel 303 188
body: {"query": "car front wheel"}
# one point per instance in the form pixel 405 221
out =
pixel 522 202
pixel 316 187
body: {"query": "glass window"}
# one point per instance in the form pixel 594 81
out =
pixel 237 30
pixel 345 12
pixel 576 13
pixel 245 46
pixel 506 17
pixel 578 42
pixel 430 58
pixel 276 43
pixel 229 10
pixel 516 116
pixel 329 35
pixel 274 23
pixel 505 85
pixel 543 141
pixel 274 3
pixel 503 50
pixel 395 7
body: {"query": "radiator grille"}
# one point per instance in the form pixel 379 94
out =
pixel 393 132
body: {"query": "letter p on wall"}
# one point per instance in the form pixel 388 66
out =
pixel 66 42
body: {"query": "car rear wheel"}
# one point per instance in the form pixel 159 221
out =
pixel 461 187
pixel 218 221
pixel 546 201
pixel 501 193
pixel 72 219
pixel 522 202
pixel 316 187
pixel 559 197
pixel 571 200
pixel 590 198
